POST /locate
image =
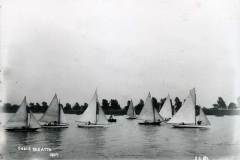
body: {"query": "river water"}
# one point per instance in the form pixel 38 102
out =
pixel 125 139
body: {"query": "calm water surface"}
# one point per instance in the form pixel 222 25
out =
pixel 126 139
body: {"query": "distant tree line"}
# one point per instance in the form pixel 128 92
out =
pixel 221 104
pixel 113 107
pixel 221 108
pixel 109 107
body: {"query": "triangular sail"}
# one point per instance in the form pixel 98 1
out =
pixel 89 115
pixel 203 118
pixel 147 110
pixel 166 110
pixel 19 119
pixel 52 113
pixel 33 123
pixel 186 114
pixel 62 116
pixel 101 118
pixel 149 113
pixel 131 112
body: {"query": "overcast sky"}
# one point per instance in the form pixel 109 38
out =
pixel 124 48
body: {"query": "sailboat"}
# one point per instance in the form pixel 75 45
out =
pixel 131 112
pixel 149 114
pixel 54 116
pixel 23 120
pixel 186 116
pixel 93 116
pixel 166 110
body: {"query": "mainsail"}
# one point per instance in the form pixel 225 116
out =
pixel 166 110
pixel 22 118
pixel 54 112
pixel 33 122
pixel 62 116
pixel 91 115
pixel 186 114
pixel 131 113
pixel 149 113
pixel 203 118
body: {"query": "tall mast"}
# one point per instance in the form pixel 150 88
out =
pixel 195 102
pixel 59 112
pixel 97 110
pixel 133 109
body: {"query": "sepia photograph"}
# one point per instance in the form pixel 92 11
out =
pixel 129 79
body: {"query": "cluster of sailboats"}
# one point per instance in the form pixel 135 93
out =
pixel 94 116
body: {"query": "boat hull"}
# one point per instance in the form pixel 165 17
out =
pixel 131 118
pixel 150 123
pixel 189 126
pixel 91 126
pixel 55 126
pixel 22 129
pixel 112 120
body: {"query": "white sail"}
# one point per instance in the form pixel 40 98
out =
pixel 186 114
pixel 131 112
pixel 62 116
pixel 166 110
pixel 89 115
pixel 33 122
pixel 149 113
pixel 101 118
pixel 203 118
pixel 147 110
pixel 19 119
pixel 52 112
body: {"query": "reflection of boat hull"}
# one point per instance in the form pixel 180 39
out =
pixel 91 126
pixel 131 118
pixel 149 123
pixel 55 126
pixel 189 126
pixel 22 129
pixel 112 120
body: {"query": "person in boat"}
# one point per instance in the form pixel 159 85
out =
pixel 89 122
pixel 199 122
pixel 55 122
pixel 182 123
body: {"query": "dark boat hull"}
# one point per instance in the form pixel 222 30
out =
pixel 150 123
pixel 112 120
pixel 131 118
pixel 22 129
